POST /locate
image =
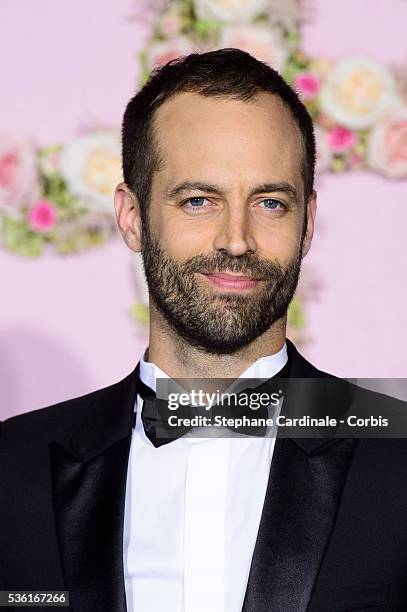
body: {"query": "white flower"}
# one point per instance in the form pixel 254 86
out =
pixel 229 11
pixel 161 52
pixel 286 14
pixel 91 166
pixel 262 42
pixel 387 146
pixel 357 92
pixel 324 152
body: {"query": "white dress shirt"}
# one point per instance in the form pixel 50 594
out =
pixel 192 513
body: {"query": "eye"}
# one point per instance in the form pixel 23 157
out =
pixel 273 204
pixel 194 203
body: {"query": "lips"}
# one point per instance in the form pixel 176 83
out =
pixel 229 276
pixel 233 276
pixel 232 281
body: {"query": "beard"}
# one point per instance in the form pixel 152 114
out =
pixel 215 322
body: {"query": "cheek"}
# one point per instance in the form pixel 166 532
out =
pixel 280 246
pixel 183 240
pixel 281 240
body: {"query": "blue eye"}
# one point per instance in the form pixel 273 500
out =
pixel 274 203
pixel 196 203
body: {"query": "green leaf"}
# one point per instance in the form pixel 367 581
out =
pixel 18 238
pixel 140 313
pixel 56 190
pixel 295 315
pixel 205 28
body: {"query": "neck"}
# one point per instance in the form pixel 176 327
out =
pixel 178 359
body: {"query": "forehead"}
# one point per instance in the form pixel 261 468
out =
pixel 199 132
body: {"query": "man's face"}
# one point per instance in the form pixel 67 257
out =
pixel 229 199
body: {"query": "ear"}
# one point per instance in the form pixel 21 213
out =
pixel 128 216
pixel 311 212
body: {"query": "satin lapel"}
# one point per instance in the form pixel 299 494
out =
pixel 305 485
pixel 299 512
pixel 89 504
pixel 88 486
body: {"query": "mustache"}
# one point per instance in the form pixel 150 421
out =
pixel 245 265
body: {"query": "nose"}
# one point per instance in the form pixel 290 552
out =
pixel 235 231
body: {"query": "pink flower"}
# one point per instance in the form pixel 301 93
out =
pixel 170 25
pixel 307 84
pixel 341 139
pixel 356 160
pixel 171 21
pixel 396 142
pixel 42 216
pixel 18 174
pixel 8 168
pixel 387 146
pixel 163 51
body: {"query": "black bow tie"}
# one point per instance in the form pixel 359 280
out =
pixel 155 412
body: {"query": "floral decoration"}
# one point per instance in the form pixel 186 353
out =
pixel 387 150
pixel 357 92
pixel 18 175
pixel 229 11
pixel 58 197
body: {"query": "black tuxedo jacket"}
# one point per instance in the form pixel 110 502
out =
pixel 332 536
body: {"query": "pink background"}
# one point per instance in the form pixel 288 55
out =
pixel 65 325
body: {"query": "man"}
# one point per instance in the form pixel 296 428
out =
pixel 218 159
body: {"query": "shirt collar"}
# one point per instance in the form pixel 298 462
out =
pixel 264 367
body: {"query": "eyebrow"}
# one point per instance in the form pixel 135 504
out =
pixel 277 187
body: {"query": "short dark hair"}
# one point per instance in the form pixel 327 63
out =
pixel 228 73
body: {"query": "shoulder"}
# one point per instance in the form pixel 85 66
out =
pixel 373 415
pixel 63 417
